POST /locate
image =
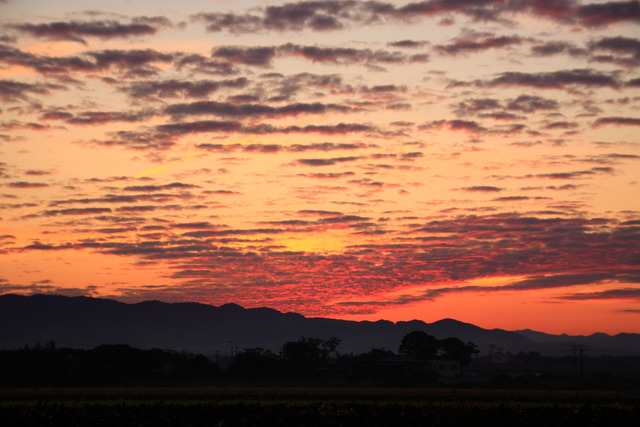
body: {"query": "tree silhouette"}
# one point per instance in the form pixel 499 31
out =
pixel 255 363
pixel 307 354
pixel 420 345
pixel 454 349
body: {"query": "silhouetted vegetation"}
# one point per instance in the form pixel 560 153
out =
pixel 255 364
pixel 421 345
pixel 103 365
pixel 300 406
pixel 453 349
pixel 298 360
pixel 48 385
pixel 303 357
pixel 422 360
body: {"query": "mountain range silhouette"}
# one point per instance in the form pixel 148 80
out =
pixel 85 322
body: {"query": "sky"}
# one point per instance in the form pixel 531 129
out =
pixel 360 160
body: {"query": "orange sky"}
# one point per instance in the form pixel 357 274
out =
pixel 438 159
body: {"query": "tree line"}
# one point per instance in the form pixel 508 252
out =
pixel 306 359
pixel 110 364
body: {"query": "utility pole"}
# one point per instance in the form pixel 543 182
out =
pixel 582 365
pixel 492 347
pixel 578 348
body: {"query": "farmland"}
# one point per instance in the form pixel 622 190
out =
pixel 314 406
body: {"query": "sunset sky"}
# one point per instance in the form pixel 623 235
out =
pixel 361 160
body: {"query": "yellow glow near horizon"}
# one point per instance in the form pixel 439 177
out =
pixel 319 242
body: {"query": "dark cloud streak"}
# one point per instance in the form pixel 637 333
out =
pixel 339 15
pixel 78 30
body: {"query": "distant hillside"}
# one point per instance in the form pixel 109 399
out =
pixel 83 322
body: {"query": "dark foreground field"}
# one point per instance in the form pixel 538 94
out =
pixel 254 406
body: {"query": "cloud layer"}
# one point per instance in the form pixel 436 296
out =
pixel 334 158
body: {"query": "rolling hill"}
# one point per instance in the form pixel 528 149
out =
pixel 84 322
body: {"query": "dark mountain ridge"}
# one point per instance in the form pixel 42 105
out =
pixel 84 322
